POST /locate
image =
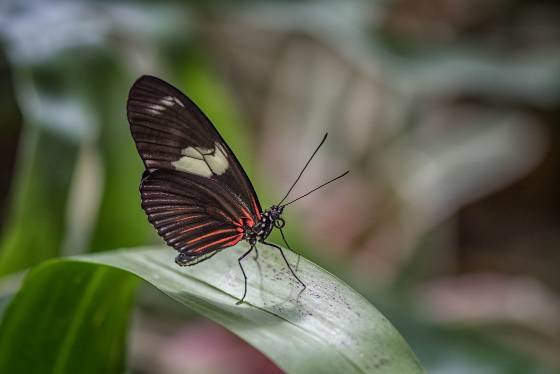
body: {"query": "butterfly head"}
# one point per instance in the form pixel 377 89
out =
pixel 275 213
pixel 271 218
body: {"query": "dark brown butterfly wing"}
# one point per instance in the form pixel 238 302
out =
pixel 196 215
pixel 194 191
pixel 172 133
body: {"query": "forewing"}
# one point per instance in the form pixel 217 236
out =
pixel 172 133
pixel 195 215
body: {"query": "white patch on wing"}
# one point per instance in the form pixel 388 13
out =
pixel 167 101
pixel 155 109
pixel 217 162
pixel 192 166
pixel 195 152
pixel 178 101
pixel 203 162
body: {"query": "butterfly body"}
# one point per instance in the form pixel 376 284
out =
pixel 270 219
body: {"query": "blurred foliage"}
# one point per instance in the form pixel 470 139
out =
pixel 67 320
pixel 35 230
pixel 446 112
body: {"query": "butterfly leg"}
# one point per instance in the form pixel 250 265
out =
pixel 256 254
pixel 287 245
pixel 243 271
pixel 286 260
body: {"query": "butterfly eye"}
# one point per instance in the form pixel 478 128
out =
pixel 279 223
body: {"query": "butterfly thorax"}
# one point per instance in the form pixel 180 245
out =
pixel 270 218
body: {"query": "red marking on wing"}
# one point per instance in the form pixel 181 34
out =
pixel 196 227
pixel 190 217
pixel 211 233
pixel 239 222
pixel 173 207
pixel 247 215
pixel 256 207
pixel 236 238
pixel 234 241
pixel 175 219
pixel 245 221
pixel 224 215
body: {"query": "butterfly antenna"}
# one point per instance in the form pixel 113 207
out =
pixel 316 188
pixel 302 170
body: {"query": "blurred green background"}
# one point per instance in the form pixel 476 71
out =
pixel 446 112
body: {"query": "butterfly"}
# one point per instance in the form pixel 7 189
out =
pixel 194 190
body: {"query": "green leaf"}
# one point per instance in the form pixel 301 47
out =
pixel 55 123
pixel 35 229
pixel 67 318
pixel 326 328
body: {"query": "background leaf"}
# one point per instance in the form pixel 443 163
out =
pixel 36 229
pixel 67 318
